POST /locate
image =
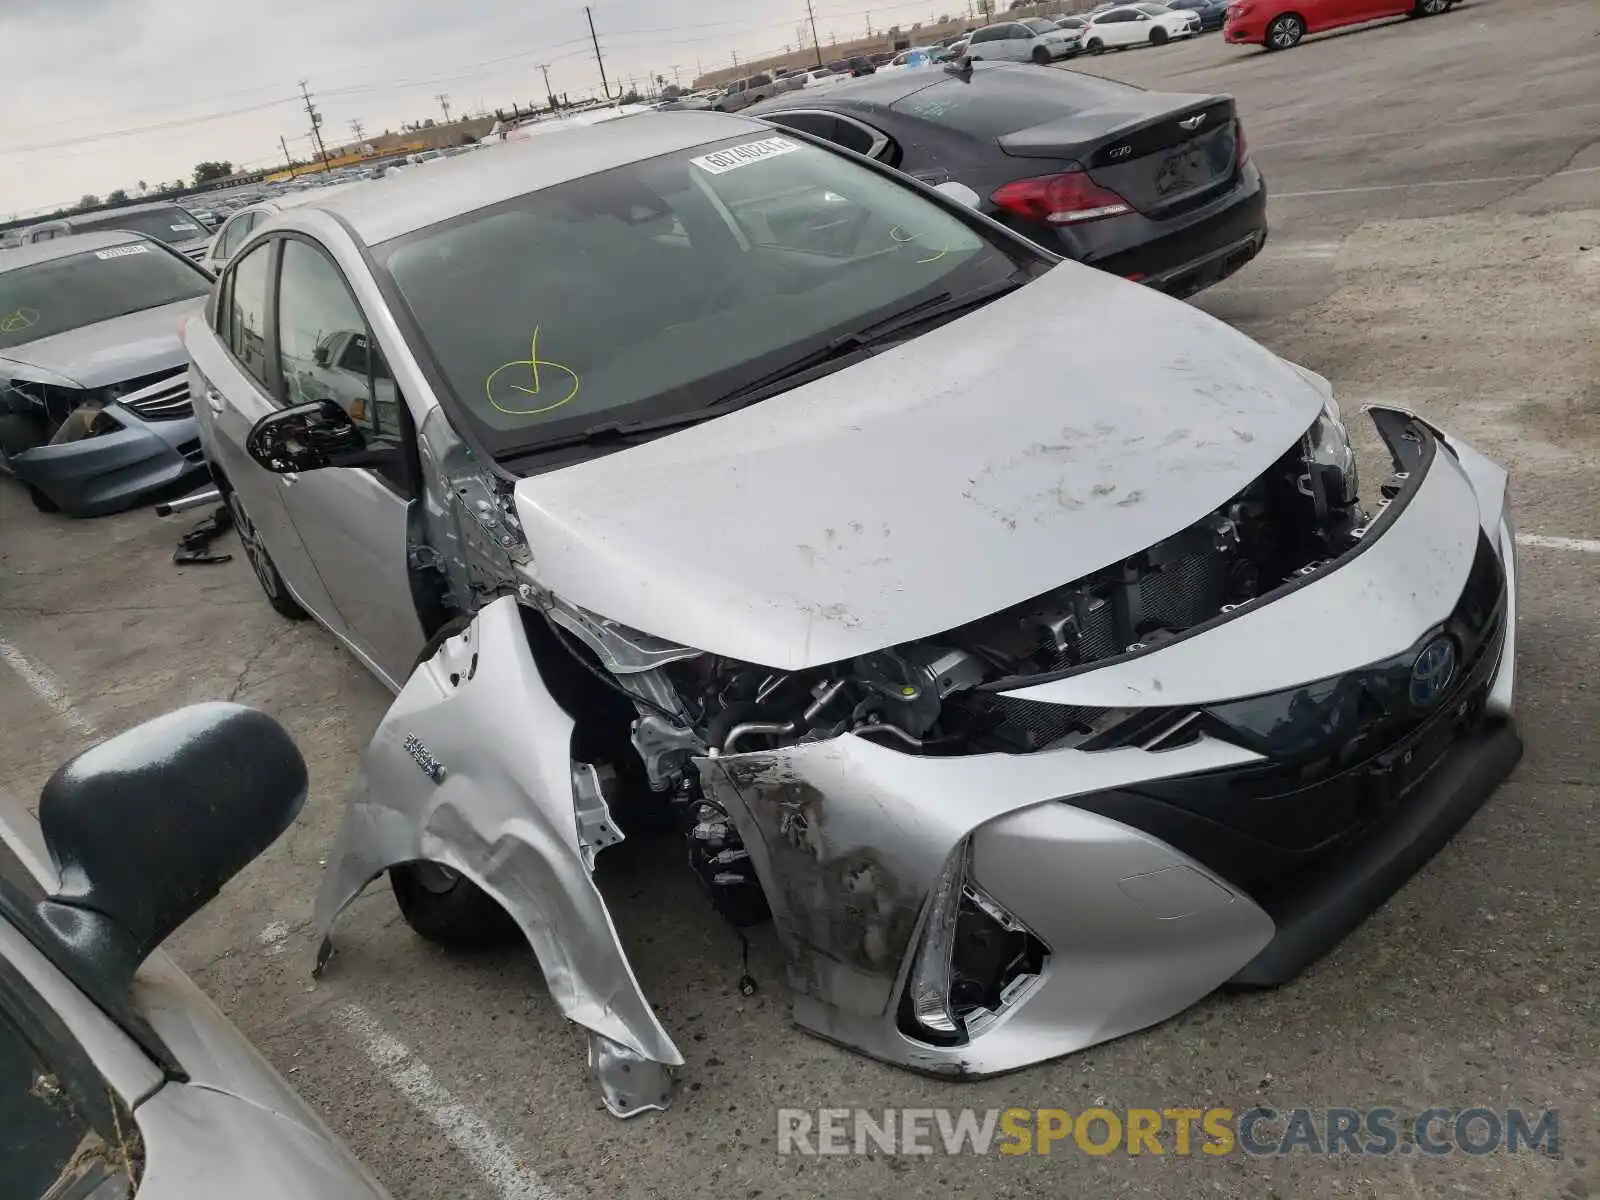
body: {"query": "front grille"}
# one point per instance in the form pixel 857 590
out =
pixel 164 402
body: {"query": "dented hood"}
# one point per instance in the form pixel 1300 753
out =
pixel 107 352
pixel 1069 424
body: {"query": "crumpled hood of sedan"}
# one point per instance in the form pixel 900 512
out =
pixel 108 352
pixel 1070 424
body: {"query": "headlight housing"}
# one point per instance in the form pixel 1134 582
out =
pixel 1330 455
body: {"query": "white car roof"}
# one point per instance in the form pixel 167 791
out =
pixel 469 182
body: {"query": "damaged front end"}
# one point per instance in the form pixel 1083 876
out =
pixel 988 847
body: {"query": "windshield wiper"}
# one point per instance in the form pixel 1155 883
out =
pixel 876 335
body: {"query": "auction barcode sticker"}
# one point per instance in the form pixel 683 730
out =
pixel 121 251
pixel 719 162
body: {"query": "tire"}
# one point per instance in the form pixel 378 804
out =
pixel 42 502
pixel 1041 56
pixel 1430 8
pixel 255 552
pixel 440 905
pixel 1159 36
pixel 1284 32
pixel 1095 46
pixel 18 433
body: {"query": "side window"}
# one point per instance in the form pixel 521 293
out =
pixel 233 234
pixel 854 136
pixel 326 352
pixel 987 34
pixel 59 1123
pixel 820 124
pixel 247 312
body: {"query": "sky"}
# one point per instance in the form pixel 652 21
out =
pixel 104 93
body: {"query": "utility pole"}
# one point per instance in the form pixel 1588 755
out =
pixel 677 77
pixel 358 129
pixel 444 102
pixel 548 90
pixel 735 60
pixel 316 124
pixel 599 61
pixel 287 157
pixel 815 41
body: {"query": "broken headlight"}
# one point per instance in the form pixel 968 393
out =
pixel 974 963
pixel 1330 456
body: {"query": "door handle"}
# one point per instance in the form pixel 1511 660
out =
pixel 214 399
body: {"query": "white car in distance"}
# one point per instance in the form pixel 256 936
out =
pixel 1137 25
pixel 1032 40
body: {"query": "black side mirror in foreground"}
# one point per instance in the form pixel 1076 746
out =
pixel 308 437
pixel 146 828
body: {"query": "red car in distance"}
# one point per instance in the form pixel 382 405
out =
pixel 1280 24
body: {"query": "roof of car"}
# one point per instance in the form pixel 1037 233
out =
pixel 881 89
pixel 396 206
pixel 65 247
pixel 100 214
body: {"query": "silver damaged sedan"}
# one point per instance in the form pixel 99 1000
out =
pixel 1034 676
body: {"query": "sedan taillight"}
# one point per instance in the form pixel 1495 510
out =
pixel 1066 199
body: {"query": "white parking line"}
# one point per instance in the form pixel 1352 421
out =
pixel 44 684
pixel 468 1132
pixel 1427 183
pixel 1581 545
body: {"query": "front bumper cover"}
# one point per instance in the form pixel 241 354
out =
pixel 1143 914
pixel 117 470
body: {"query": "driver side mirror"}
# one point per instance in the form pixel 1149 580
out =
pixel 309 437
pixel 147 827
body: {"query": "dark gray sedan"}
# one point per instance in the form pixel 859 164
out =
pixel 1155 187
pixel 94 404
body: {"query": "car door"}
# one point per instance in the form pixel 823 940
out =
pixel 232 236
pixel 1124 27
pixel 352 520
pixel 231 382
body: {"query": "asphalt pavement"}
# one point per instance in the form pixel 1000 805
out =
pixel 1436 243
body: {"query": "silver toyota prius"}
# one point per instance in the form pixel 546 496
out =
pixel 1034 676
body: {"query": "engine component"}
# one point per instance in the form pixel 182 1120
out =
pixel 718 857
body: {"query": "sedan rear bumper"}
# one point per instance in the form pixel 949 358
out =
pixel 1200 254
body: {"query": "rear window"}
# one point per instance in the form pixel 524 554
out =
pixel 171 225
pixel 1003 100
pixel 1038 26
pixel 1154 10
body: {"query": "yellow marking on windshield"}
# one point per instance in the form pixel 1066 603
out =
pixel 900 235
pixel 533 362
pixel 23 318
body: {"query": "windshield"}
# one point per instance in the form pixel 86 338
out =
pixel 1154 10
pixel 66 293
pixel 171 225
pixel 1038 26
pixel 656 288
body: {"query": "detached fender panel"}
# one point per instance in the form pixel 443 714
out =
pixel 472 768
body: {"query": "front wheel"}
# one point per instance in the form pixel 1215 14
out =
pixel 1158 36
pixel 1285 32
pixel 18 434
pixel 255 550
pixel 1430 8
pixel 1095 46
pixel 1041 56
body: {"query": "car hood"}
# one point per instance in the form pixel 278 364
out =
pixel 1051 433
pixel 107 352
